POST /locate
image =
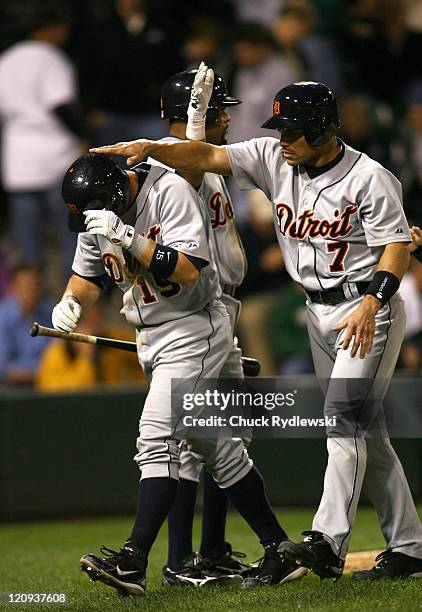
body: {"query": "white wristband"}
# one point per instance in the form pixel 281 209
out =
pixel 138 246
pixel 195 131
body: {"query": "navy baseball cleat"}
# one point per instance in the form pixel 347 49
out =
pixel 192 574
pixel 391 565
pixel 124 570
pixel 315 553
pixel 272 570
pixel 228 563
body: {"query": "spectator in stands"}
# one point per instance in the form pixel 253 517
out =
pixel 205 41
pixel 288 332
pixel 4 273
pixel 41 131
pixel 411 292
pixel 121 80
pixel 262 12
pixel 367 126
pixel 68 366
pixel 412 43
pixel 258 65
pixel 313 55
pixel 260 290
pixel 372 48
pixel 19 354
pixel 411 139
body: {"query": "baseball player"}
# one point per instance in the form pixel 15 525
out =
pixel 147 230
pixel 416 246
pixel 215 553
pixel 339 220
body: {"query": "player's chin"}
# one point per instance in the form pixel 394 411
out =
pixel 292 161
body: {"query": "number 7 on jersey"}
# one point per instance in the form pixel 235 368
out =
pixel 340 249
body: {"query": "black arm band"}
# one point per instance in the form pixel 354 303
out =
pixel 418 253
pixel 163 261
pixel 383 286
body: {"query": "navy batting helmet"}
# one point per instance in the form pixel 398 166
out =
pixel 307 106
pixel 175 97
pixel 94 182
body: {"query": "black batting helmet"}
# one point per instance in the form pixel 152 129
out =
pixel 94 182
pixel 175 97
pixel 306 106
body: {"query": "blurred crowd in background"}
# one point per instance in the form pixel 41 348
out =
pixel 76 73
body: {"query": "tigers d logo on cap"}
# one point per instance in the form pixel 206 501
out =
pixel 73 208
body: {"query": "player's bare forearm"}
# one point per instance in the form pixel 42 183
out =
pixel 189 156
pixel 194 178
pixel 395 259
pixel 185 272
pixel 84 291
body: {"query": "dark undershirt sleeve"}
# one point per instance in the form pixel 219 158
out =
pixel 103 282
pixel 197 262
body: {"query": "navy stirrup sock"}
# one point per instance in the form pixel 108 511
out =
pixel 249 498
pixel 214 514
pixel 155 498
pixel 180 523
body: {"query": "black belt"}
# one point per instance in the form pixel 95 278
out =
pixel 229 290
pixel 332 297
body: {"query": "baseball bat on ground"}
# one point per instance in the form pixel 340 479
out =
pixel 251 367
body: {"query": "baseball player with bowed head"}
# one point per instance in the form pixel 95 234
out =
pixel 339 220
pixel 180 98
pixel 147 230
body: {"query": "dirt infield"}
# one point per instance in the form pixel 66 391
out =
pixel 356 561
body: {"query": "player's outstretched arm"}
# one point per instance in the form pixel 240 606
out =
pixel 190 156
pixel 360 324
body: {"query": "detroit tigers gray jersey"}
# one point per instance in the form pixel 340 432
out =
pixel 230 260
pixel 167 210
pixel 227 247
pixel 331 229
pixel 230 256
pixel 326 224
pixel 183 331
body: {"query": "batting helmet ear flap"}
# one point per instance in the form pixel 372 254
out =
pixel 317 137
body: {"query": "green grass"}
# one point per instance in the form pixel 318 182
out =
pixel 40 557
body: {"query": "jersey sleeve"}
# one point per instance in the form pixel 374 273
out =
pixel 381 210
pixel 182 218
pixel 88 260
pixel 250 162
